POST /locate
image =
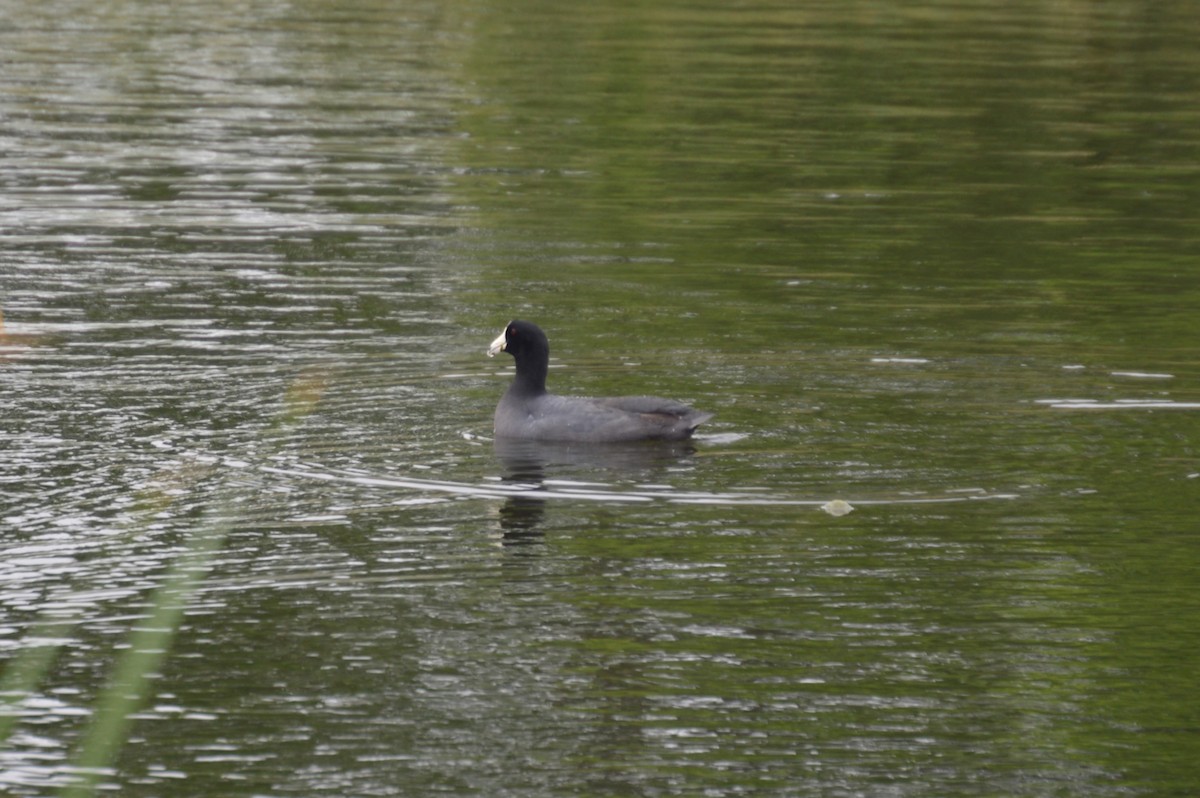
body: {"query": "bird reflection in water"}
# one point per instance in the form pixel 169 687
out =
pixel 530 463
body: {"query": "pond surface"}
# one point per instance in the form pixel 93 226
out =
pixel 935 261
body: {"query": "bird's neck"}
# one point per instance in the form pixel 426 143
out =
pixel 531 378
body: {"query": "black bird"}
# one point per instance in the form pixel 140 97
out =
pixel 527 411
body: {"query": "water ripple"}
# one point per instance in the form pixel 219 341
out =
pixel 560 490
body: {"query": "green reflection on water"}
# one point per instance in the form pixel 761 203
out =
pixel 869 236
pixel 893 160
pixel 806 189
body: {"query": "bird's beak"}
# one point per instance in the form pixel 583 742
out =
pixel 497 345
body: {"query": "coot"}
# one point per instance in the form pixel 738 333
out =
pixel 528 412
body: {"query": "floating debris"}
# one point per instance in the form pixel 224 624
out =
pixel 837 507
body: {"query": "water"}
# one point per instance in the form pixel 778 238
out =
pixel 934 261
